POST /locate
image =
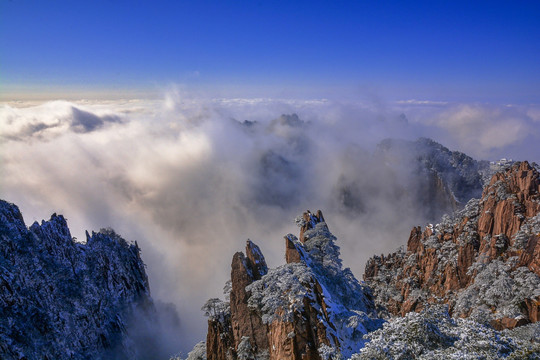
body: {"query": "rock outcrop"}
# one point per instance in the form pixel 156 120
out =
pixel 439 180
pixel 245 322
pixel 235 320
pixel 483 262
pixel 309 308
pixel 62 299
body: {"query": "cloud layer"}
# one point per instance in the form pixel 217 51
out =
pixel 191 179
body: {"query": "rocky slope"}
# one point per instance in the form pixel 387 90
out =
pixel 434 334
pixel 483 262
pixel 60 299
pixel 309 308
pixel 405 182
pixel 441 180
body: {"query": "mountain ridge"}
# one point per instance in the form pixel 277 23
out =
pixel 503 228
pixel 442 260
pixel 63 299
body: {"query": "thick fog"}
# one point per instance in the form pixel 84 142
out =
pixel 190 179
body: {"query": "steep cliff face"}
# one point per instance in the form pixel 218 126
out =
pixel 483 262
pixel 439 180
pixel 60 299
pixel 309 308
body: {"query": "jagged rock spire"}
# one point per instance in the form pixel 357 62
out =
pixel 292 253
pixel 66 299
pixel 306 222
pixel 309 222
pixel 223 339
pixel 290 312
pixel 255 261
pixel 510 198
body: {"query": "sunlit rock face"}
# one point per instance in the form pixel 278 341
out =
pixel 483 262
pixel 309 308
pixel 62 299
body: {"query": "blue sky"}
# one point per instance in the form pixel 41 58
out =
pixel 458 51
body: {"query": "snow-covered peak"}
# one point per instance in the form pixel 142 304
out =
pixel 61 299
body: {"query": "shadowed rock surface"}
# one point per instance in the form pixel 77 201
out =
pixel 61 299
pixel 439 180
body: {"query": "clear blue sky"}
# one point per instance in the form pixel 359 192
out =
pixel 446 50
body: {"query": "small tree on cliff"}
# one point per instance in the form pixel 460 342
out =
pixel 216 309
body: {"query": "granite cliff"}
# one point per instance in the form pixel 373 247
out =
pixel 63 299
pixel 467 287
pixel 309 308
pixel 483 262
pixel 440 180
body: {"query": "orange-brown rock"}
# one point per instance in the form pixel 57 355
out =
pixel 510 198
pixel 286 313
pixel 219 341
pixel 310 221
pixel 508 323
pixel 255 261
pixel 224 335
pixel 533 309
pixel 437 262
pixel 244 321
pixel 292 255
pixel 413 244
pixel 298 338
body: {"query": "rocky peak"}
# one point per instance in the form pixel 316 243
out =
pixel 11 220
pixel 436 179
pixel 308 221
pixel 476 261
pixel 521 179
pixel 255 260
pixel 65 299
pixel 305 309
pixel 245 270
pixel 511 197
pixel 292 252
pixel 226 333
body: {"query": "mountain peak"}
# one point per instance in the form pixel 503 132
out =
pixel 57 289
pixel 308 221
pixel 520 179
pixel 308 308
pixel 255 260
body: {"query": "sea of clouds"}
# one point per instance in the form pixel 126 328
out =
pixel 191 178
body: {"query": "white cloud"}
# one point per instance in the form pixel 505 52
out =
pixel 484 131
pixel 50 120
pixel 421 102
pixel 534 113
